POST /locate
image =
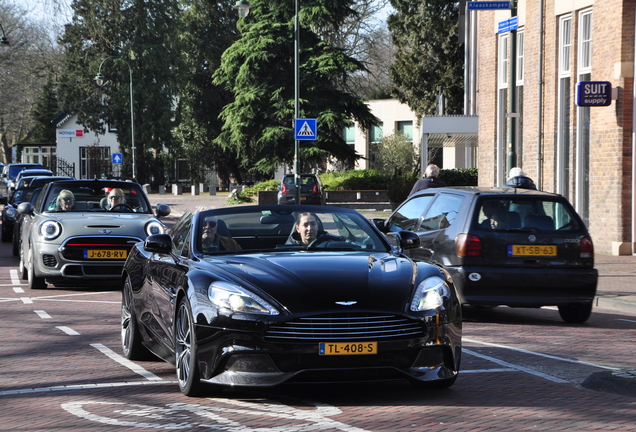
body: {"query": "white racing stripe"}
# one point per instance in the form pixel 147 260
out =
pixel 539 354
pixel 125 362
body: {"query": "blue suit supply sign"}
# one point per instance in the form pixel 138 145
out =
pixel 593 93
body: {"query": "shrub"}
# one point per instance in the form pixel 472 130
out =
pixel 459 176
pixel 355 180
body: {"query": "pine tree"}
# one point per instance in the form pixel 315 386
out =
pixel 259 70
pixel 45 110
pixel 429 55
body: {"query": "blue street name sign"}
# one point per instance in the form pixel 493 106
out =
pixel 305 130
pixel 117 158
pixel 489 5
pixel 593 93
pixel 508 25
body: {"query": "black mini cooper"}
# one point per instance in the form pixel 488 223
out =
pixel 504 246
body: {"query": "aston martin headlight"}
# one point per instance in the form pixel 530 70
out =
pixel 154 227
pixel 430 294
pixel 228 296
pixel 50 229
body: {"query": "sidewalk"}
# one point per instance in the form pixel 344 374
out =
pixel 617 274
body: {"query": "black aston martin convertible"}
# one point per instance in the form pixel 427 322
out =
pixel 261 295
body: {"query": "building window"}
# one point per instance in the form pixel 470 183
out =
pixel 349 135
pixel 95 162
pixel 376 133
pixel 520 58
pixel 502 107
pixel 406 129
pixel 584 72
pixel 564 107
pixel 585 42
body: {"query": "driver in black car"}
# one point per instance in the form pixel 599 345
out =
pixel 115 197
pixel 306 230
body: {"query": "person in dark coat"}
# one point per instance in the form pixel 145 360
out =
pixel 519 179
pixel 430 181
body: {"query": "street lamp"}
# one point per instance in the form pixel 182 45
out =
pixel 243 7
pixel 99 80
pixel 4 42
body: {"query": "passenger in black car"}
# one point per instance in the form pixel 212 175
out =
pixel 211 241
pixel 496 214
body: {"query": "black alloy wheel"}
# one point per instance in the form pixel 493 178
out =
pixel 130 336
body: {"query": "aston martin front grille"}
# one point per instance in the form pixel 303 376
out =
pixel 346 327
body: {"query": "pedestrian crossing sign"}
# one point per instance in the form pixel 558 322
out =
pixel 305 130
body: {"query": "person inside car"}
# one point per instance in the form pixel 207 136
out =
pixel 496 215
pixel 212 241
pixel 115 197
pixel 306 229
pixel 65 201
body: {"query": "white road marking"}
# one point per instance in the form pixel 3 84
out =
pixel 15 280
pixel 18 290
pixel 26 300
pixel 513 366
pixel 97 386
pixel 223 414
pixel 42 314
pixel 125 362
pixel 622 319
pixel 462 372
pixel 69 331
pixel 539 354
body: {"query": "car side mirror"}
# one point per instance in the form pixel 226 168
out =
pixel 409 240
pixel 162 210
pixel 159 243
pixel 379 224
pixel 25 208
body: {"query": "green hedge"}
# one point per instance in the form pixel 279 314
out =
pixel 397 188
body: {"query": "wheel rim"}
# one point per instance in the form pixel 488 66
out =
pixel 183 339
pixel 126 316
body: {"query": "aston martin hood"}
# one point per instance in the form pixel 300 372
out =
pixel 305 282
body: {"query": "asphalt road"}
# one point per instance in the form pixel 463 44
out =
pixel 63 370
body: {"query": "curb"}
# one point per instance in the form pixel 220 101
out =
pixel 621 382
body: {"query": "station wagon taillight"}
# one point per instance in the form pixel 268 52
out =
pixel 284 188
pixel 314 189
pixel 468 245
pixel 586 248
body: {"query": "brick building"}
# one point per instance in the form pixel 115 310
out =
pixel 585 153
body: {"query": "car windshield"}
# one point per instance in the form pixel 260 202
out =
pixel 96 197
pixel 527 214
pixel 14 170
pixel 271 230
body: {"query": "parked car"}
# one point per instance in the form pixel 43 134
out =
pixel 33 186
pixel 264 310
pixel 503 246
pixel 8 175
pixel 85 242
pixel 27 173
pixel 311 190
pixel 10 211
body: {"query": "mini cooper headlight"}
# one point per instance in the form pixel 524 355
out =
pixel 430 294
pixel 228 296
pixel 50 229
pixel 154 227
